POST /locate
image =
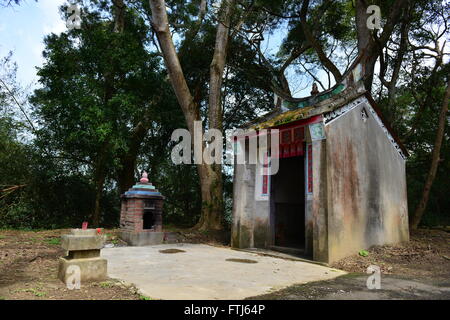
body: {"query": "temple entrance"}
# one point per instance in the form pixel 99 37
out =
pixel 288 206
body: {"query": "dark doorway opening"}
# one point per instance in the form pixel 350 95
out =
pixel 149 220
pixel 288 206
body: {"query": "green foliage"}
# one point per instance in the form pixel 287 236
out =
pixel 414 115
pixel 97 88
pixel 331 21
pixel 363 253
pixel 106 284
pixel 35 291
pixel 93 93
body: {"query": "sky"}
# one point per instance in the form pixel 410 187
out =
pixel 22 30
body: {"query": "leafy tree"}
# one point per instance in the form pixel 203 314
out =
pixel 199 71
pixel 106 108
pixel 101 93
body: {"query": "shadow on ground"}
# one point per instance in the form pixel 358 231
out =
pixel 353 287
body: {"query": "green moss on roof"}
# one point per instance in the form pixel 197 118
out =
pixel 284 118
pixel 303 109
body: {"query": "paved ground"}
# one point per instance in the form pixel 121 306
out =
pixel 203 272
pixel 353 287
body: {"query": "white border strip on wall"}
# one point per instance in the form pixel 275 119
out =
pixel 330 117
pixel 336 114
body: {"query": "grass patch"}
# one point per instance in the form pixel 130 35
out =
pixel 142 297
pixel 112 238
pixel 364 253
pixel 53 241
pixel 106 284
pixel 36 292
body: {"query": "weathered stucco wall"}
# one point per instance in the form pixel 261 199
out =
pixel 365 186
pixel 243 190
pixel 319 207
pixel 251 218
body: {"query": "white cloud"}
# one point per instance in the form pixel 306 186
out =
pixel 23 30
pixel 49 9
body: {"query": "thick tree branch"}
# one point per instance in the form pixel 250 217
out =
pixel 218 65
pixel 369 45
pixel 119 13
pixel 316 45
pixel 160 24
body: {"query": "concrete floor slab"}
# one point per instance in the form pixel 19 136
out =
pixel 203 272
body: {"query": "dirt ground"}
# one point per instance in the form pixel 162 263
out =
pixel 28 269
pixel 426 255
pixel 29 262
pixel 29 265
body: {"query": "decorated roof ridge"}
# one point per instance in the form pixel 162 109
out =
pixel 320 107
pixel 312 100
pixel 352 78
pixel 352 75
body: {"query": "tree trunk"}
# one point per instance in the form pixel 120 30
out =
pixel 418 213
pixel 99 183
pixel 366 43
pixel 160 24
pixel 119 14
pixel 210 175
pixel 369 47
pixel 212 198
pixel 125 175
pixel 99 169
pixel 217 68
pixel 364 34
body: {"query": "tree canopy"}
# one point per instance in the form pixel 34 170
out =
pixel 112 92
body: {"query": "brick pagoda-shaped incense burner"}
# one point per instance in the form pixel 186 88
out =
pixel 141 214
